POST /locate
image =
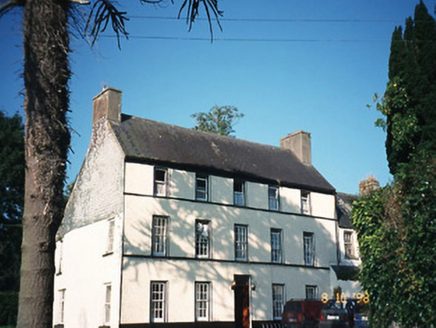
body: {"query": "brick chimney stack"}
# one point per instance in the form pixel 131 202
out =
pixel 107 104
pixel 299 143
pixel 368 185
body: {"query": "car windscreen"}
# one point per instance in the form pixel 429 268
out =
pixel 293 307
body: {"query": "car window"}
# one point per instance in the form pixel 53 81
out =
pixel 294 307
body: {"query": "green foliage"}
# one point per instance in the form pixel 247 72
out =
pixel 11 168
pixel 397 231
pixel 11 211
pixel 409 114
pixel 218 120
pixel 8 308
pixel 396 224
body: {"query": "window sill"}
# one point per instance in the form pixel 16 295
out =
pixel 108 253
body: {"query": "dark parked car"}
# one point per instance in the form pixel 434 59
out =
pixel 334 315
pixel 301 313
pixel 361 315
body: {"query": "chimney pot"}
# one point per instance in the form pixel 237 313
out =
pixel 300 144
pixel 368 185
pixel 107 104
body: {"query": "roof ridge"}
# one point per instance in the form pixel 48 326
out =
pixel 212 135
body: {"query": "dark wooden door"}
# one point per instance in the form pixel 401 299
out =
pixel 241 289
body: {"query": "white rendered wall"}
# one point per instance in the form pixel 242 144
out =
pixel 139 180
pixel 290 200
pixel 349 288
pixel 98 190
pixel 348 261
pixel 96 198
pixel 139 212
pixel 221 190
pixel 181 269
pixel 85 271
pixel 181 276
pixel 322 205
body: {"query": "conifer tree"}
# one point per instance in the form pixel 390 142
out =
pixel 412 64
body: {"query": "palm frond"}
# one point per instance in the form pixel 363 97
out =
pixel 102 13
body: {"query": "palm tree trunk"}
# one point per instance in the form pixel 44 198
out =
pixel 46 76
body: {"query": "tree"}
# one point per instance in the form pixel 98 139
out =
pixel 412 67
pixel 47 138
pixel 395 224
pixel 218 120
pixel 11 211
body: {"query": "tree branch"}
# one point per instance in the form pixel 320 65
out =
pixel 8 6
pixel 80 2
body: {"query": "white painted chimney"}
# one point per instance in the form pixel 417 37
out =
pixel 299 143
pixel 107 104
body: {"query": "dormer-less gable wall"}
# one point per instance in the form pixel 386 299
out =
pixel 98 190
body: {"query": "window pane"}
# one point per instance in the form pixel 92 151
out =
pixel 278 300
pixel 241 242
pixel 61 310
pixel 160 181
pixel 107 305
pixel 201 187
pixel 202 300
pixel 305 203
pixel 348 244
pixel 239 192
pixel 159 236
pixel 311 292
pixel 202 238
pixel 276 246
pixel 308 248
pixel 273 196
pixel 157 301
pixel 110 238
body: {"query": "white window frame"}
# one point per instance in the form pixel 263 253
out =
pixel 239 196
pixel 61 306
pixel 305 203
pixel 60 254
pixel 309 248
pixel 276 245
pixel 107 303
pixel 203 193
pixel 278 300
pixel 158 301
pixel 202 300
pixel 160 186
pixel 312 292
pixel 159 236
pixel 273 198
pixel 202 238
pixel 349 244
pixel 110 236
pixel 241 242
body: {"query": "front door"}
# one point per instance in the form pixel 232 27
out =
pixel 241 288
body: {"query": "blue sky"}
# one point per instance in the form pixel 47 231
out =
pixel 286 64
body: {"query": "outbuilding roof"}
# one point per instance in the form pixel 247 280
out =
pixel 344 203
pixel 151 141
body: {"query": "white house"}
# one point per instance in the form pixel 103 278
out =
pixel 345 272
pixel 171 227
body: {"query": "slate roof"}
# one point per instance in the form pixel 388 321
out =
pixel 343 209
pixel 143 139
